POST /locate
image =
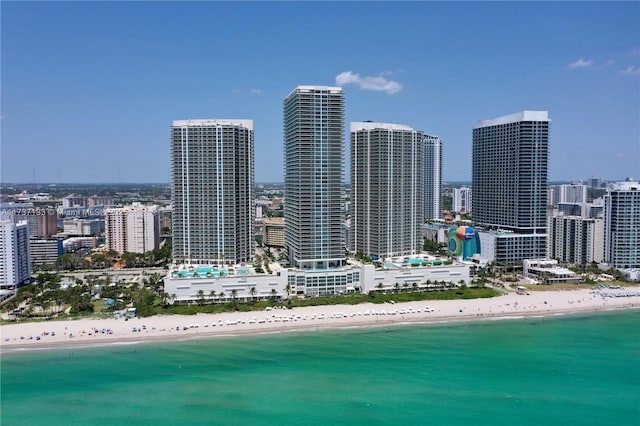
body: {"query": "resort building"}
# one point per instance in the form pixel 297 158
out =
pixel 387 193
pixel 313 159
pixel 461 202
pixel 209 284
pixel 622 225
pixel 132 229
pixel 212 180
pixel 432 177
pixel 15 259
pixel 510 162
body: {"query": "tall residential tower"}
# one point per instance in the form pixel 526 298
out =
pixel 313 158
pixel 432 177
pixel 212 179
pixel 387 175
pixel 622 225
pixel 510 162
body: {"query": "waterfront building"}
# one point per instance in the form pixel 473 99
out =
pixel 313 159
pixel 15 260
pixel 387 193
pixel 212 185
pixel 217 285
pixel 432 177
pixel 575 240
pixel 510 162
pixel 622 225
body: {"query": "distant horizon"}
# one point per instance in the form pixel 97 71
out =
pixel 49 184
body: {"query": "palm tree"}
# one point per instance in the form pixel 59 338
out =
pixel 212 295
pixel 234 293
pixel 274 294
pixel 200 297
pixel 221 296
pixel 414 286
pixel 253 292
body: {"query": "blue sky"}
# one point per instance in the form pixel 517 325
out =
pixel 89 89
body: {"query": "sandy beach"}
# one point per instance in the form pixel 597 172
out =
pixel 85 332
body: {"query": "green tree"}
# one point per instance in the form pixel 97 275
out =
pixel 234 294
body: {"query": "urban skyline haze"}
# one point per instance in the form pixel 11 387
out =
pixel 89 89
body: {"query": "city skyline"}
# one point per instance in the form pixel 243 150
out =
pixel 89 89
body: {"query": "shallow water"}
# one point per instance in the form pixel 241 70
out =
pixel 577 370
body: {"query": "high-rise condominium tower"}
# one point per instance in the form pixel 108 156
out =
pixel 212 179
pixel 313 159
pixel 432 177
pixel 15 262
pixel 622 225
pixel 387 177
pixel 510 161
pixel 134 228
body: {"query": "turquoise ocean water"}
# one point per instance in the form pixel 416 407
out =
pixel 577 370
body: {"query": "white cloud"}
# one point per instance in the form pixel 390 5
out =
pixel 631 70
pixel 379 83
pixel 618 156
pixel 245 91
pixel 581 63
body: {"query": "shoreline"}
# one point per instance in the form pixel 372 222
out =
pixel 87 333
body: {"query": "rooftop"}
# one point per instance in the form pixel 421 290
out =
pixel 515 118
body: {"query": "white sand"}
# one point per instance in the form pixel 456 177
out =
pixel 89 331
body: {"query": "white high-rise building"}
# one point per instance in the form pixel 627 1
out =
pixel 570 194
pixel 575 240
pixel 313 183
pixel 15 258
pixel 622 225
pixel 462 199
pixel 387 174
pixel 510 162
pixel 212 180
pixel 432 177
pixel 133 229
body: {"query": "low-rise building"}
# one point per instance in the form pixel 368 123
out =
pixel 189 284
pixel 547 271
